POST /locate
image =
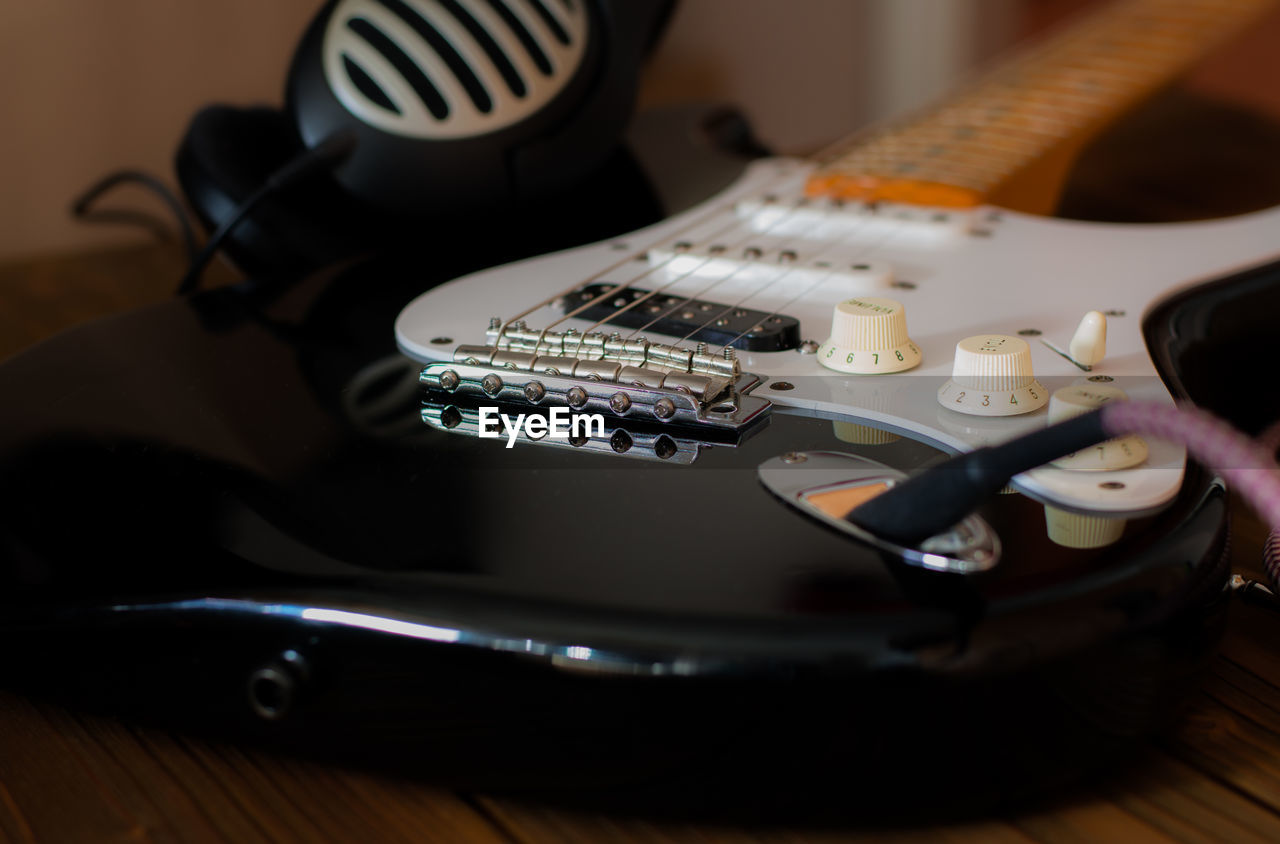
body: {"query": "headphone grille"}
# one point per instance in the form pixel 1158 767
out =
pixel 438 69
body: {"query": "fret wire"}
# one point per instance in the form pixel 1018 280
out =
pixel 985 169
pixel 1046 94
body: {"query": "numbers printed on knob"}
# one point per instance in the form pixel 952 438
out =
pixel 992 402
pixel 869 337
pixel 1122 453
pixel 869 362
pixel 991 376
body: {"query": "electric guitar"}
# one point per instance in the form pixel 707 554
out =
pixel 901 282
pixel 235 514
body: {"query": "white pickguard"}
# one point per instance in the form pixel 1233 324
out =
pixel 1025 273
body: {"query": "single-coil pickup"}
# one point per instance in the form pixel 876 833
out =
pixel 832 220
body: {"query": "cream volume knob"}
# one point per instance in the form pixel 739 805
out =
pixel 992 376
pixel 1122 453
pixel 868 337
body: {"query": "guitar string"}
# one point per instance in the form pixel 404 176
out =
pixel 770 280
pixel 674 238
pixel 676 253
pixel 750 236
pixel 866 219
pixel 864 256
pixel 614 291
pixel 859 256
pixel 808 234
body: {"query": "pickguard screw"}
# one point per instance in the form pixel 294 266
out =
pixel 808 347
pixel 1114 312
pixel 449 380
pixel 1101 379
pixel 794 457
pixel 1030 332
pixel 1111 485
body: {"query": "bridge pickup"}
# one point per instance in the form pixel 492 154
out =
pixel 715 407
pixel 698 320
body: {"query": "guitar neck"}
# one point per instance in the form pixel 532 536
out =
pixel 1010 137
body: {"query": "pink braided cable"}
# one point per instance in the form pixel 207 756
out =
pixel 1270 441
pixel 1248 465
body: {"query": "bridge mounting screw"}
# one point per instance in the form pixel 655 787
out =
pixel 449 380
pixel 534 391
pixel 494 323
pixel 620 403
pixel 808 347
pixel 491 384
pixel 664 408
pixel 577 396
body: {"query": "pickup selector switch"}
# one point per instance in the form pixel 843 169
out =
pixel 869 337
pixel 1121 453
pixel 992 376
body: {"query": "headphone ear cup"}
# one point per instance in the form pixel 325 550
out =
pixel 227 154
pixel 460 107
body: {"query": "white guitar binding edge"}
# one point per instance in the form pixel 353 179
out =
pixel 1015 273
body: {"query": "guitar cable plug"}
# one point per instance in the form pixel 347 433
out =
pixel 934 500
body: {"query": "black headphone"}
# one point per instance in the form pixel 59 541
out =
pixel 448 109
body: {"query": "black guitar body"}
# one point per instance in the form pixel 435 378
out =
pixel 225 514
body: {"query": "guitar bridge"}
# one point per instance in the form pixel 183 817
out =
pixel 651 384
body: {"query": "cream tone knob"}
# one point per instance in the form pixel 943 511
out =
pixel 1073 530
pixel 855 434
pixel 1122 453
pixel 869 336
pixel 1089 343
pixel 992 376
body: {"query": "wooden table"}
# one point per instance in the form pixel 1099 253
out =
pixel 65 776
